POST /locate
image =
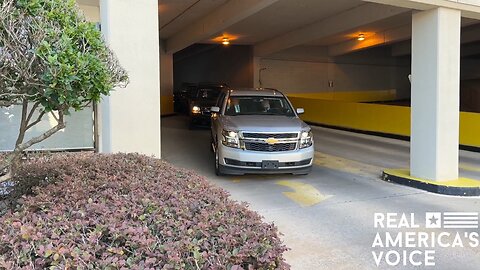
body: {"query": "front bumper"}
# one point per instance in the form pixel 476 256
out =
pixel 200 119
pixel 239 161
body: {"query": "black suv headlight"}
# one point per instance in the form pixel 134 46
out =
pixel 306 139
pixel 230 139
pixel 196 110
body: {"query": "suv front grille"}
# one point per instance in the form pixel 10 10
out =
pixel 270 135
pixel 265 147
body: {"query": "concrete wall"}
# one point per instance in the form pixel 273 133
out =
pixel 469 83
pixel 309 69
pixel 214 63
pixel 470 95
pixel 92 13
pixel 166 81
pixel 469 68
pixel 306 77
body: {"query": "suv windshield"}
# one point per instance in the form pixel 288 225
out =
pixel 208 93
pixel 258 105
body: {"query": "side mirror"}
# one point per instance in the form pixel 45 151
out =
pixel 300 111
pixel 215 109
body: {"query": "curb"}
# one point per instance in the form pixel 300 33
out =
pixel 403 178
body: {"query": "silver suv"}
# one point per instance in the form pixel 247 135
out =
pixel 258 131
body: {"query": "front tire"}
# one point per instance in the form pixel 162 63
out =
pixel 218 171
pixel 212 144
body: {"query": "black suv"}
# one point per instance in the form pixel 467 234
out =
pixel 183 96
pixel 201 101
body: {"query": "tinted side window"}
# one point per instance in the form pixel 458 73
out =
pixel 220 99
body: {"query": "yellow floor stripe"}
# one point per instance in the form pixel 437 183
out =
pixel 466 167
pixel 236 180
pixel 346 165
pixel 304 194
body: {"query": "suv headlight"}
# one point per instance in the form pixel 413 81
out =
pixel 195 109
pixel 230 139
pixel 306 139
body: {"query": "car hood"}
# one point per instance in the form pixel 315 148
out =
pixel 203 103
pixel 264 123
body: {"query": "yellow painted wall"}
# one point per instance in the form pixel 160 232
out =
pixel 470 128
pixel 166 104
pixel 356 96
pixel 376 117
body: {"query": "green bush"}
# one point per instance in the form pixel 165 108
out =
pixel 50 55
pixel 95 211
pixel 52 61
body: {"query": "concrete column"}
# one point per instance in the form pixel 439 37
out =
pixel 130 118
pixel 435 94
pixel 166 81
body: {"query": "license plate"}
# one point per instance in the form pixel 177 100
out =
pixel 270 164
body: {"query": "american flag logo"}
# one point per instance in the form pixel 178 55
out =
pixel 460 220
pixel 433 220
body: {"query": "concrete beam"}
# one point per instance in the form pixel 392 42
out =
pixel 386 37
pixel 343 22
pixel 223 17
pixel 469 8
pixel 469 34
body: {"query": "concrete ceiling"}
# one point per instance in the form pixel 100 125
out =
pixel 277 25
pixel 369 30
pixel 283 16
pixel 181 20
pixel 174 15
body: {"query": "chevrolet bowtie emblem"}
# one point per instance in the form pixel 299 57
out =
pixel 271 141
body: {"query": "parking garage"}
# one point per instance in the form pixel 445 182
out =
pixel 387 86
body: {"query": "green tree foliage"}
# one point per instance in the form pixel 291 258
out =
pixel 51 61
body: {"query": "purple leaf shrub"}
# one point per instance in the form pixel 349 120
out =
pixel 128 211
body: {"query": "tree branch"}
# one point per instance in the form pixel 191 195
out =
pixel 20 148
pixel 46 135
pixel 9 103
pixel 32 111
pixel 39 118
pixel 54 116
pixel 23 123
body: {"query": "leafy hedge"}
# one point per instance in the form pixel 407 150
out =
pixel 122 211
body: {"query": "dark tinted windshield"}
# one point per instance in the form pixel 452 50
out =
pixel 258 106
pixel 208 93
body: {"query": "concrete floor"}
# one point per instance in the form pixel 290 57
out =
pixel 327 217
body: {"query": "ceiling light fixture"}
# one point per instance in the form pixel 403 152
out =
pixel 361 37
pixel 225 41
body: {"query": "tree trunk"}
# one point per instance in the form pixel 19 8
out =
pixel 13 158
